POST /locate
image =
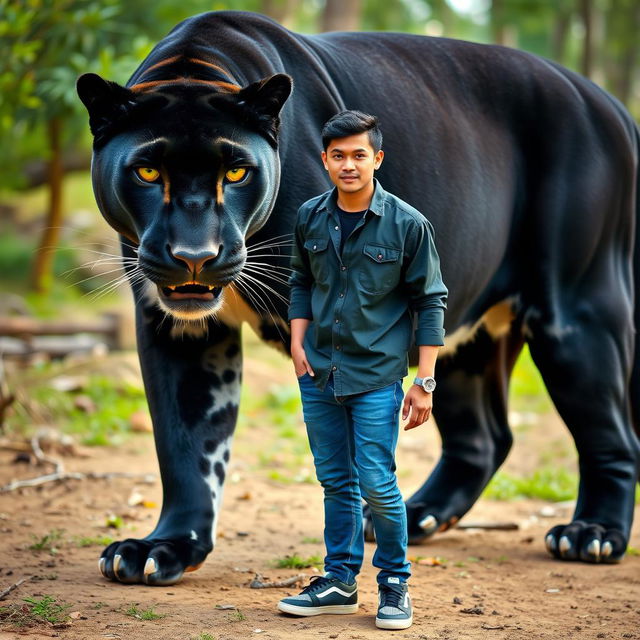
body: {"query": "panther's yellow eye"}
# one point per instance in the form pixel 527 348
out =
pixel 235 175
pixel 148 174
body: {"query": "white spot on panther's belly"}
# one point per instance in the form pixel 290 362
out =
pixel 496 321
pixel 219 461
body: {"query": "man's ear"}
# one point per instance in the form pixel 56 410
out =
pixel 267 97
pixel 106 102
pixel 323 155
pixel 378 159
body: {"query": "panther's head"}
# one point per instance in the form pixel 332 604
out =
pixel 186 174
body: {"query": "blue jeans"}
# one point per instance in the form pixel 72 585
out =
pixel 353 441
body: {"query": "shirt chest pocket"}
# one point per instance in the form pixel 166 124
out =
pixel 318 258
pixel 380 269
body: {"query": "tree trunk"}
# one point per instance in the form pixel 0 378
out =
pixel 42 275
pixel 341 15
pixel 498 30
pixel 283 11
pixel 586 14
pixel 560 35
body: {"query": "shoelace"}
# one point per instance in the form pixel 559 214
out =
pixel 317 583
pixel 391 596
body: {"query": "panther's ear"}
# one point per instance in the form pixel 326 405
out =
pixel 106 102
pixel 267 97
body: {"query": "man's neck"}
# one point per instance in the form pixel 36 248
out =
pixel 356 201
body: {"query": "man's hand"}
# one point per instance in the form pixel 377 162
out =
pixel 300 363
pixel 417 404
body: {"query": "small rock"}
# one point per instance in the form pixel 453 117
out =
pixel 84 403
pixel 140 422
pixel 478 611
pixel 457 600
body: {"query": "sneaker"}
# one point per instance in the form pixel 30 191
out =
pixel 325 594
pixel 394 605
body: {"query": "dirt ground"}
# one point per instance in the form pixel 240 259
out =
pixel 498 585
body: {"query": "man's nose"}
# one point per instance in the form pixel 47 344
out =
pixel 348 164
pixel 195 259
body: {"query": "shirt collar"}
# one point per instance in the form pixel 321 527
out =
pixel 330 201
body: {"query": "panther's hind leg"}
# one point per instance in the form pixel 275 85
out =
pixel 192 378
pixel 583 352
pixel 470 408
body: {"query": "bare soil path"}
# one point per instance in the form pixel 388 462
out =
pixel 494 585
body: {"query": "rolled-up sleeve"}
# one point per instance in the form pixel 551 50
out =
pixel 300 279
pixel 425 288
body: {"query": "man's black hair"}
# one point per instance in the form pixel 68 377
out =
pixel 351 123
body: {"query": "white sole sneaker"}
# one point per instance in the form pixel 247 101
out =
pixel 385 623
pixel 316 611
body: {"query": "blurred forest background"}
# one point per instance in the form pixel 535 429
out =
pixel 47 212
pixel 59 260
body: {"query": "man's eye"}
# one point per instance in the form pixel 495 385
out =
pixel 236 175
pixel 148 174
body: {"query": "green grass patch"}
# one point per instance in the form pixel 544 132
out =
pixel 112 402
pixel 143 614
pixel 526 390
pixel 548 483
pixel 237 616
pixel 48 542
pixel 203 636
pixel 45 610
pixel 297 562
pixel 311 540
pixel 97 541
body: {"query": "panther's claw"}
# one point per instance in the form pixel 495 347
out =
pixel 429 525
pixel 586 541
pixel 102 563
pixel 150 567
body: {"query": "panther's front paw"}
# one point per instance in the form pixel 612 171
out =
pixel 158 562
pixel 586 541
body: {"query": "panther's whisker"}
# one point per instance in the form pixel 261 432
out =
pixel 95 275
pixel 284 235
pixel 266 286
pixel 263 272
pixel 270 266
pixel 275 324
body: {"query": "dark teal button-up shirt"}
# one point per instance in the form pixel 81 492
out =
pixel 362 302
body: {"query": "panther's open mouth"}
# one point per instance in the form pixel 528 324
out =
pixel 191 291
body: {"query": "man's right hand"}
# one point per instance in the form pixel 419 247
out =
pixel 300 363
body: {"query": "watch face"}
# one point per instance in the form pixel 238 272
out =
pixel 428 384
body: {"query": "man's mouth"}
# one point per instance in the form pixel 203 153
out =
pixel 349 178
pixel 191 291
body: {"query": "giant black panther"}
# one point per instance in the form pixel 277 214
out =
pixel 528 173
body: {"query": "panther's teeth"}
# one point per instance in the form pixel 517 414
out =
pixel 116 563
pixel 102 566
pixel 565 544
pixel 594 548
pixel 550 541
pixel 606 550
pixel 428 524
pixel 150 567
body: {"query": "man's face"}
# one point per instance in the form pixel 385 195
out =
pixel 351 162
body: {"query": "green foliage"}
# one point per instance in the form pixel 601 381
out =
pixel 48 609
pixel 203 636
pixel 237 616
pixel 47 542
pixel 549 483
pixel 297 562
pixel 143 614
pixel 114 401
pixel 96 541
pixel 526 389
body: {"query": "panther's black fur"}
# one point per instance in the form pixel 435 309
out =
pixel 528 173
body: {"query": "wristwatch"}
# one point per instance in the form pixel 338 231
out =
pixel 428 383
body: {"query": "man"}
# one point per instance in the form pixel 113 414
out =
pixel 364 264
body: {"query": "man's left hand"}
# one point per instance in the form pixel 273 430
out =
pixel 417 406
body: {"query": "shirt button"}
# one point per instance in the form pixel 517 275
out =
pixel 379 256
pixel 334 368
pixel 337 320
pixel 341 295
pixel 315 246
pixel 338 347
pixel 343 268
pixel 337 227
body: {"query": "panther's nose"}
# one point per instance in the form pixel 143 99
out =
pixel 195 260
